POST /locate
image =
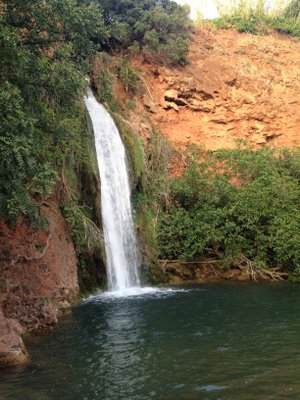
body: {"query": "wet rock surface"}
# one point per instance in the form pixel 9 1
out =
pixel 12 349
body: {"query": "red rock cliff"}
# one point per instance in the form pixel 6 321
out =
pixel 38 277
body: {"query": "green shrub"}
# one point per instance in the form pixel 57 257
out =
pixel 154 192
pixel 246 17
pixel 104 77
pixel 236 204
pixel 129 77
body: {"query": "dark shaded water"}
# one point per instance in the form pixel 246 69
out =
pixel 221 342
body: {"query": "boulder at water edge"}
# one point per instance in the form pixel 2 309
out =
pixel 12 349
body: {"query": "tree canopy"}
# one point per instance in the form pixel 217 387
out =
pixel 158 27
pixel 43 53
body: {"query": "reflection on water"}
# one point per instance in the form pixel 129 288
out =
pixel 119 354
pixel 221 342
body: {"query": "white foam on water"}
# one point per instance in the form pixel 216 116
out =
pixel 136 292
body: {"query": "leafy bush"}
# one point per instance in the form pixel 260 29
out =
pixel 22 175
pixel 286 26
pixel 158 28
pixel 236 204
pixel 103 77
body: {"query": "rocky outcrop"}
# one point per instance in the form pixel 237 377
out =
pixel 236 86
pixel 38 279
pixel 149 104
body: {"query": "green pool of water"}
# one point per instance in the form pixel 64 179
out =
pixel 221 342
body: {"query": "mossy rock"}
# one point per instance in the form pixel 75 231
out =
pixel 134 150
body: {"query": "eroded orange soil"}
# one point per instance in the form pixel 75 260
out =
pixel 236 86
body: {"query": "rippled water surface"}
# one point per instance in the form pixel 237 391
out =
pixel 221 342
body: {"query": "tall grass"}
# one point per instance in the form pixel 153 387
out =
pixel 292 10
pixel 276 7
pixel 256 17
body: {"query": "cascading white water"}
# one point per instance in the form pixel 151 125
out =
pixel 120 239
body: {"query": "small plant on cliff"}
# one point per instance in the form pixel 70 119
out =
pixel 87 236
pixel 103 77
pixel 129 77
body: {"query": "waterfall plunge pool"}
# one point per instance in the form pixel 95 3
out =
pixel 216 341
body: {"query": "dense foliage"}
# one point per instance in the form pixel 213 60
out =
pixel 44 47
pixel 160 28
pixel 233 205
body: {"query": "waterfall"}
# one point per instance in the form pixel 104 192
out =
pixel 119 235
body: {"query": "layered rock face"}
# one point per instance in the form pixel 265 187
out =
pixel 237 86
pixel 38 278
